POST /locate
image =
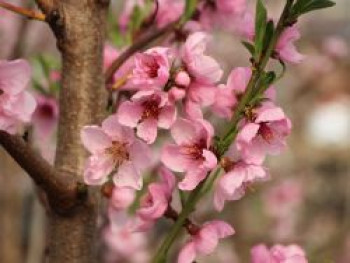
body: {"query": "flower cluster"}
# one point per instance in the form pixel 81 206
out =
pixel 170 89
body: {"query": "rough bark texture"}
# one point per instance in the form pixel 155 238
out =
pixel 79 26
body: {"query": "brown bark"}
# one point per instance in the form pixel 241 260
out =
pixel 79 26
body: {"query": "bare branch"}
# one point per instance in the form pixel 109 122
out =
pixel 140 43
pixel 60 191
pixel 31 14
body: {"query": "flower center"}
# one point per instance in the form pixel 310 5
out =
pixel 266 132
pixel 1 92
pixel 152 67
pixel 146 200
pixel 150 109
pixel 46 111
pixel 195 151
pixel 118 152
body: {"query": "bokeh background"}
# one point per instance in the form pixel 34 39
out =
pixel 307 200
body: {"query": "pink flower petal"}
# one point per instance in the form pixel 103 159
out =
pixel 116 131
pixel 128 176
pixel 167 117
pixel 94 139
pixel 184 132
pixel 187 253
pixel 129 113
pixel 173 158
pixel 147 130
pixel 14 76
pixel 192 179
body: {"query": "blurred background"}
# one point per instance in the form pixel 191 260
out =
pixel 307 200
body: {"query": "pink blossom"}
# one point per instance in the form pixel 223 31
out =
pixel 45 116
pixel 147 110
pixel 205 241
pixel 278 254
pixel 222 13
pixel 151 68
pixel 114 151
pixel 203 68
pixel 16 104
pixel 233 184
pixel 265 132
pixel 228 95
pixel 204 73
pixel 154 204
pixel 169 11
pixel 122 197
pixel 123 243
pixel 285 45
pixel 191 153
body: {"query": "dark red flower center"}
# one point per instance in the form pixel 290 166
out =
pixel 46 111
pixel 195 151
pixel 152 67
pixel 1 92
pixel 266 132
pixel 150 109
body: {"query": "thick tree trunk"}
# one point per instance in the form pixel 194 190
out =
pixel 79 26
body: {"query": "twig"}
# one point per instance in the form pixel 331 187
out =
pixel 31 14
pixel 140 43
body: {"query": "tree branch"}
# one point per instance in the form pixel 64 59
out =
pixel 31 14
pixel 61 192
pixel 140 43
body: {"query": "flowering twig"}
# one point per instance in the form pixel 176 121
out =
pixel 31 14
pixel 229 137
pixel 140 43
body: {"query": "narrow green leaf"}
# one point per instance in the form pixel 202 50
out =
pixel 306 6
pixel 249 46
pixel 189 10
pixel 260 28
pixel 270 29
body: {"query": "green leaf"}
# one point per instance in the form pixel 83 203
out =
pixel 189 10
pixel 249 46
pixel 306 6
pixel 260 28
pixel 270 29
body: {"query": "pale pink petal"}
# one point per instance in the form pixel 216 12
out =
pixel 97 169
pixel 128 176
pixel 222 228
pixel 261 254
pixel 247 133
pixel 192 179
pixel 129 113
pixel 147 130
pixel 27 108
pixel 173 158
pixel 202 93
pixel 193 110
pixel 122 197
pixel 210 160
pixel 167 117
pixel 94 139
pixel 238 79
pixel 184 132
pixel 187 253
pixel 140 155
pixel 205 69
pixel 14 76
pixel 116 131
pixel 269 114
